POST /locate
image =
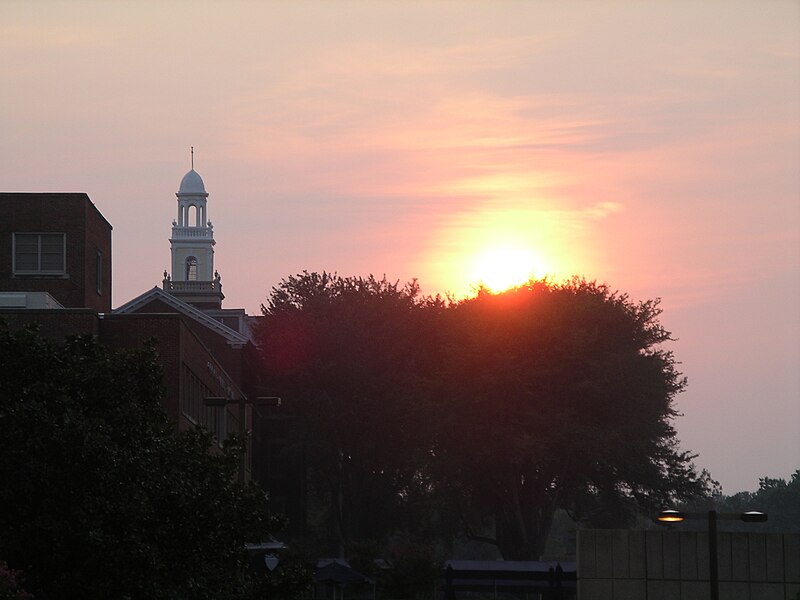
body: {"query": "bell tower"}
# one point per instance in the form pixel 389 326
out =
pixel 193 278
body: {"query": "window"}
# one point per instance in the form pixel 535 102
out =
pixel 98 271
pixel 39 253
pixel 191 268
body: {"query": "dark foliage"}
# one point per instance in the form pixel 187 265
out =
pixel 778 497
pixel 490 413
pixel 348 354
pixel 413 573
pixel 100 498
pixel 558 396
pixel 11 584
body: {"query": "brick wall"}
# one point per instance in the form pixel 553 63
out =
pixel 132 331
pixel 53 324
pixel 185 360
pixel 229 357
pixel 97 239
pixel 86 232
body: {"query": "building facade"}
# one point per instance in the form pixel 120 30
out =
pixel 193 277
pixel 209 377
pixel 55 271
pixel 57 244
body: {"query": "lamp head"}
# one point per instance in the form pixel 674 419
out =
pixel 671 516
pixel 753 516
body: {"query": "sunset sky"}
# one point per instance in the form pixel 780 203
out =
pixel 652 146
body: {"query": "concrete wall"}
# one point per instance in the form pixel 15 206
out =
pixel 671 565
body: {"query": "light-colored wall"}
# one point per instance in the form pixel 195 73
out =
pixel 203 252
pixel 671 565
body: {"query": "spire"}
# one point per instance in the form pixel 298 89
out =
pixel 192 276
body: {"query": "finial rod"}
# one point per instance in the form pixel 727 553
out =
pixel 192 158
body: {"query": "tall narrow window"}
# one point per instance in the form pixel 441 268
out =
pixel 98 271
pixel 191 268
pixel 39 253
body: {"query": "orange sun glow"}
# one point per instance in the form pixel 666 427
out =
pixel 501 249
pixel 502 267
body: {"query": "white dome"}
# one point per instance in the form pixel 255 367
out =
pixel 192 183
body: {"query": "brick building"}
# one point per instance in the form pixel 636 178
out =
pixel 55 270
pixel 57 244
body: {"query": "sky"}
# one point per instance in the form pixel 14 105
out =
pixel 653 146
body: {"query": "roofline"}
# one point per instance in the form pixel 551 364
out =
pixel 4 310
pixel 182 307
pixel 85 195
pixel 180 317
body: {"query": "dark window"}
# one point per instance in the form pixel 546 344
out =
pixel 191 269
pixel 98 270
pixel 39 253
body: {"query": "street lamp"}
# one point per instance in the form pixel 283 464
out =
pixel 242 402
pixel 677 516
pixel 671 516
pixel 270 551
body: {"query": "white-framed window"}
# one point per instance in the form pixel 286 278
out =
pixel 39 253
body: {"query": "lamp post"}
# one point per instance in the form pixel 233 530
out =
pixel 242 402
pixel 677 516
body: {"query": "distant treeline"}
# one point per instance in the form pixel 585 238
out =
pixel 777 497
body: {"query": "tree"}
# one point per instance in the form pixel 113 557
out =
pixel 557 396
pixel 505 406
pixel 101 498
pixel 778 497
pixel 10 587
pixel 347 353
pixel 781 500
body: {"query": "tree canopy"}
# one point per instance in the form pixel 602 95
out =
pixel 558 396
pixel 348 354
pixel 493 411
pixel 776 496
pixel 100 497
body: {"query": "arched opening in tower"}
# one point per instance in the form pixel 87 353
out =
pixel 191 268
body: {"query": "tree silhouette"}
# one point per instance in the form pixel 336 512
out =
pixel 558 396
pixel 493 412
pixel 347 354
pixel 100 497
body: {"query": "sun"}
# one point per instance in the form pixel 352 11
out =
pixel 499 248
pixel 502 267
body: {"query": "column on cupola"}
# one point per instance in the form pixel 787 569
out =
pixel 192 241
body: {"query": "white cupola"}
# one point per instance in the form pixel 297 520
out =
pixel 192 195
pixel 192 245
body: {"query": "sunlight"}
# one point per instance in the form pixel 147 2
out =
pixel 503 248
pixel 504 186
pixel 502 267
